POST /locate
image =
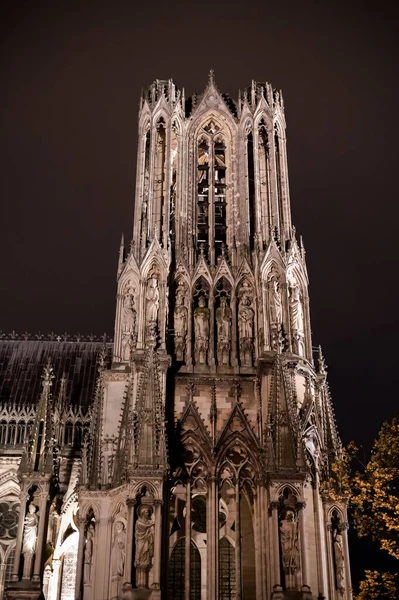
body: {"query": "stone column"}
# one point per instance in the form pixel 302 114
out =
pixel 187 563
pixel 234 321
pixel 55 581
pixel 321 563
pixel 276 543
pixel 302 534
pixel 212 336
pixel 79 566
pixel 131 503
pixel 348 582
pixel 156 585
pixel 212 541
pixel 238 544
pixel 18 547
pixel 330 560
pixel 46 581
pixel 40 535
pixel 2 578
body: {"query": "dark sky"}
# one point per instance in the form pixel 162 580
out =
pixel 71 74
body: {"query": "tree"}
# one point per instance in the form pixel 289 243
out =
pixel 377 586
pixel 376 492
pixel 375 501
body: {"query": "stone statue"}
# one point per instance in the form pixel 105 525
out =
pixel 245 328
pixel 88 558
pixel 339 559
pixel 129 318
pixel 296 312
pixel 223 321
pixel 144 537
pixel 152 300
pixel 275 304
pixel 30 531
pixel 201 330
pixel 289 542
pixel 119 549
pixel 180 322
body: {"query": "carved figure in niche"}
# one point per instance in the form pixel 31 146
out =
pixel 275 312
pixel 119 549
pixel 30 530
pixel 180 322
pixel 245 326
pixel 144 536
pixel 152 300
pixel 223 320
pixel 88 558
pixel 129 318
pixel 296 313
pixel 289 542
pixel 201 330
pixel 339 559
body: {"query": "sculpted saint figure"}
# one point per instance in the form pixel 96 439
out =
pixel 144 536
pixel 30 531
pixel 296 311
pixel 129 314
pixel 276 310
pixel 223 320
pixel 289 542
pixel 201 330
pixel 180 322
pixel 152 300
pixel 88 558
pixel 245 329
pixel 119 549
pixel 339 558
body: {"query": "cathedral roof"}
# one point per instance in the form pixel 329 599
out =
pixel 22 362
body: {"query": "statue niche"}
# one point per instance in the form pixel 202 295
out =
pixel 118 558
pixel 201 330
pixel 289 547
pixel 180 323
pixel 296 316
pixel 245 325
pixel 129 319
pixel 88 555
pixel 275 310
pixel 29 539
pixel 144 538
pixel 223 322
pixel 152 308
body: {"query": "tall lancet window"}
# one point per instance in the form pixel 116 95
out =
pixel 211 193
pixel 159 179
pixel 203 194
pixel 264 172
pixel 219 199
pixel 173 183
pixel 146 189
pixel 251 189
pixel 279 161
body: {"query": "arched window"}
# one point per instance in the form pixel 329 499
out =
pixel 68 434
pixel 78 437
pixel 21 429
pixel 264 171
pixel 227 570
pixel 146 189
pixel 177 571
pixel 211 192
pixel 251 188
pixel 279 161
pixel 159 179
pixel 3 431
pixel 12 431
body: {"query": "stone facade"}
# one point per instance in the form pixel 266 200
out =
pixel 200 466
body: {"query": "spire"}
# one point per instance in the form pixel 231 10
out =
pixel 211 77
pixel 41 439
pixel 121 255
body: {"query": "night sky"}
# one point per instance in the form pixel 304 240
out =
pixel 71 74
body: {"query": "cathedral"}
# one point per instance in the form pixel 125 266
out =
pixel 191 456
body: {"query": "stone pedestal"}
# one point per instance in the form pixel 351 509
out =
pixel 23 590
pixel 279 594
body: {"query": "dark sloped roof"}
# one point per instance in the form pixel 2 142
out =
pixel 22 363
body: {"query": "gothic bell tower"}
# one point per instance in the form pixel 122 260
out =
pixel 212 436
